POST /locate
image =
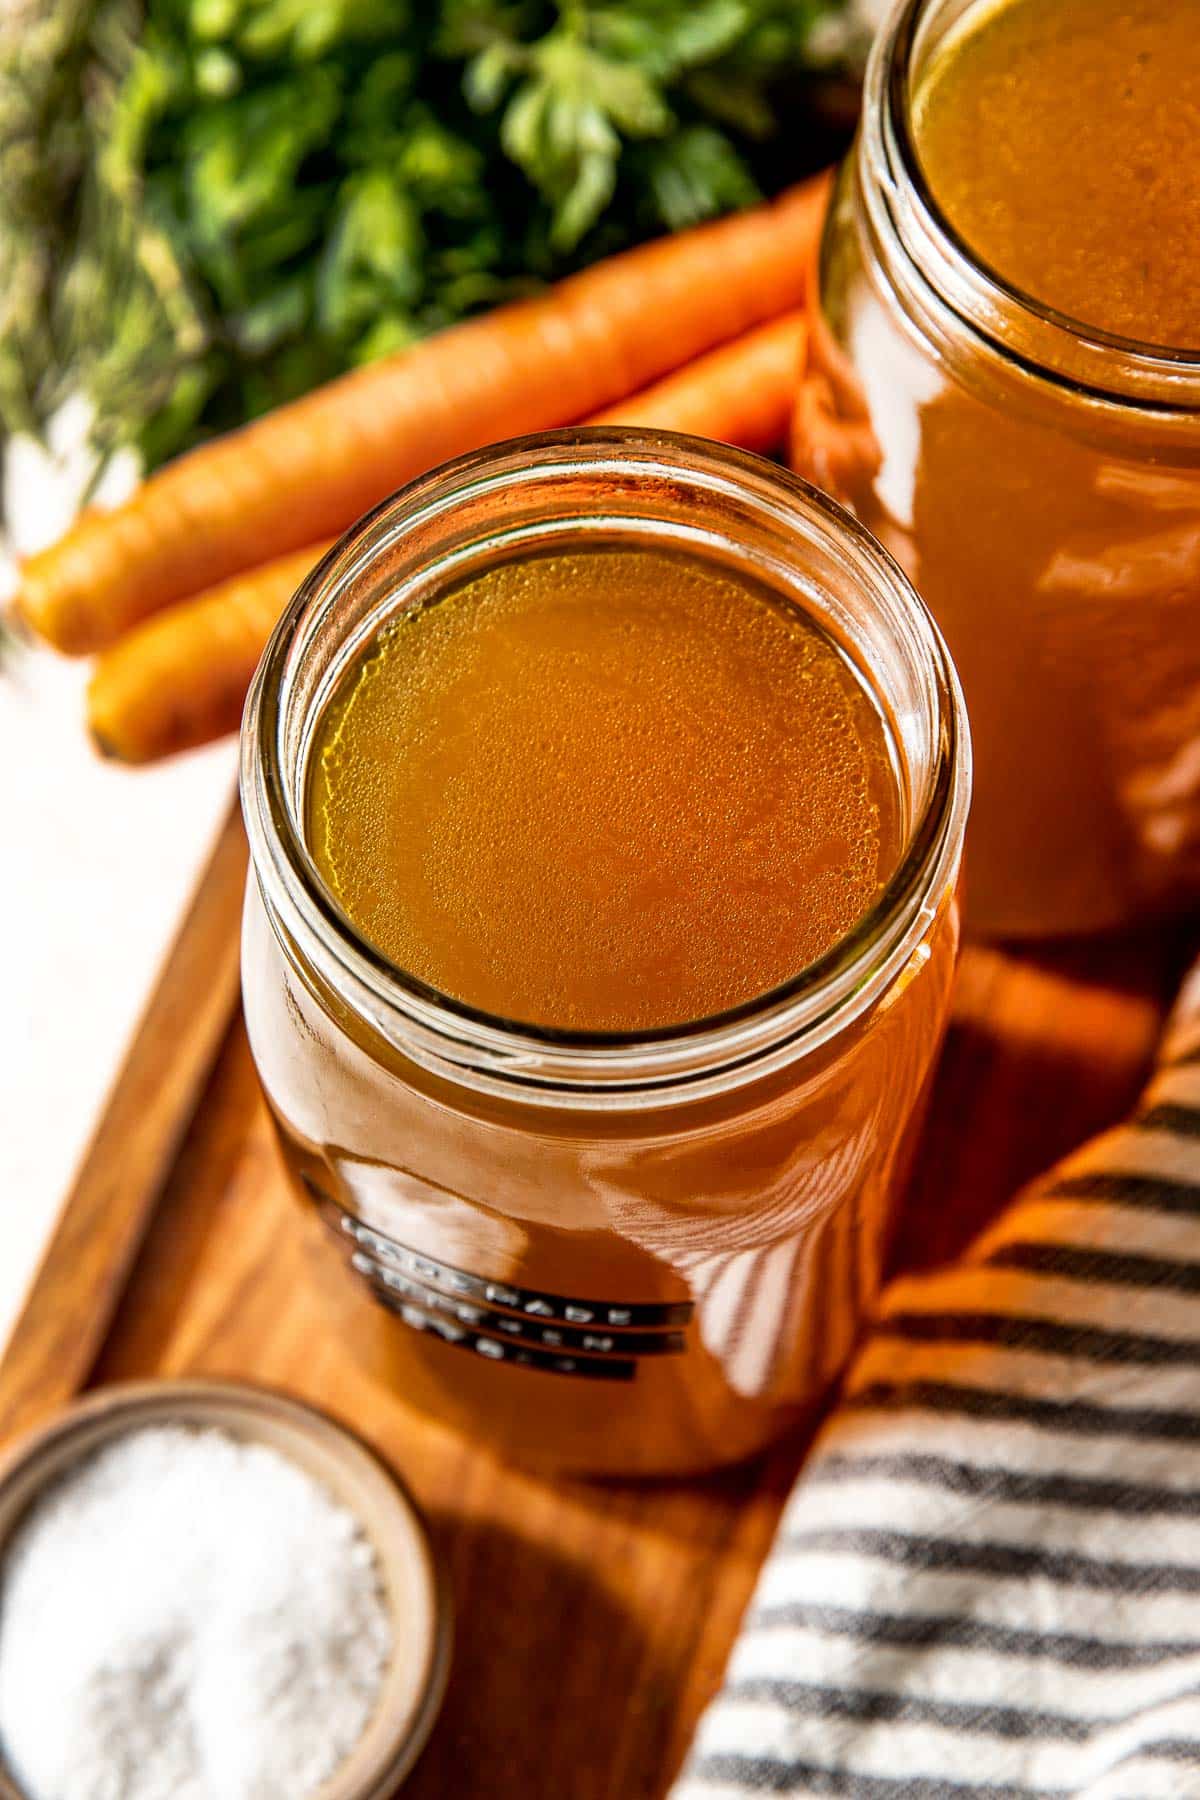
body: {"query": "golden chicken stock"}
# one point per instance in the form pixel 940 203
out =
pixel 611 790
pixel 1006 389
pixel 605 795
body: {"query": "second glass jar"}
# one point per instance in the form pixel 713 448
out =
pixel 1040 484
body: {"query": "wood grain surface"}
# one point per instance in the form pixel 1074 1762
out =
pixel 593 1619
pixel 80 1280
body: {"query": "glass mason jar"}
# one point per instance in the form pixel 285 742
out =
pixel 1040 484
pixel 647 1252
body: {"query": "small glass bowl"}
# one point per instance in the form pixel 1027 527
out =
pixel 415 1589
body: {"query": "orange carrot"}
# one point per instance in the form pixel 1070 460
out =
pixel 831 441
pixel 180 679
pixel 310 468
pixel 740 394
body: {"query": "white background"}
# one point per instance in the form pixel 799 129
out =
pixel 96 869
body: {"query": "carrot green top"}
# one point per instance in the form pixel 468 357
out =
pixel 1061 138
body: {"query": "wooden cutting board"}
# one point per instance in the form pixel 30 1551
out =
pixel 593 1619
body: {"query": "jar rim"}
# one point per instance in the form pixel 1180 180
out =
pixel 1026 330
pixel 297 899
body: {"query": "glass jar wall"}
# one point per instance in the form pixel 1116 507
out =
pixel 1040 484
pixel 644 1253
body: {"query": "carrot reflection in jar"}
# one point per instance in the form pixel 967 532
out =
pixel 1005 388
pixel 606 795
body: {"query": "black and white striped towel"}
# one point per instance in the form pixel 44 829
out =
pixel 987 1581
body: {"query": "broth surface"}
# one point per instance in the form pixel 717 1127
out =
pixel 613 790
pixel 1062 140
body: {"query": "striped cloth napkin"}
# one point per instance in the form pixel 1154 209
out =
pixel 987 1580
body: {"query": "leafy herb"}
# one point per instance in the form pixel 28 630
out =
pixel 207 206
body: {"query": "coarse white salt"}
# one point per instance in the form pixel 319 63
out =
pixel 187 1617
